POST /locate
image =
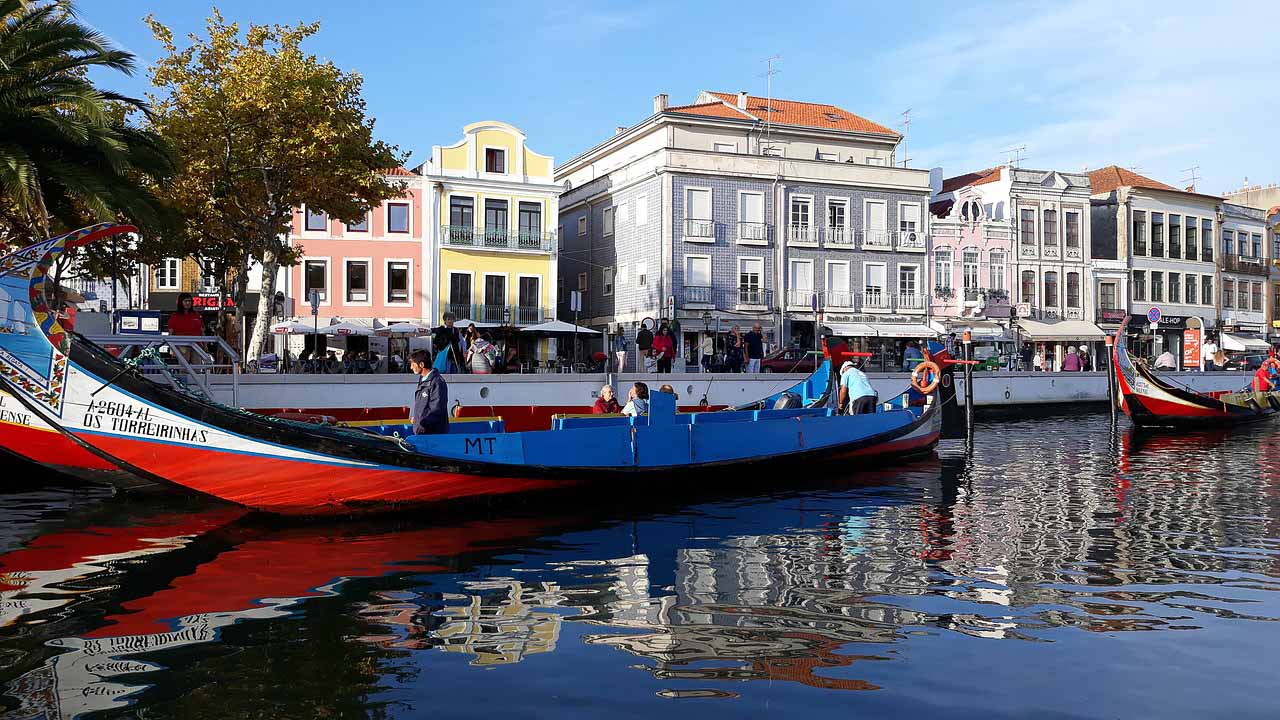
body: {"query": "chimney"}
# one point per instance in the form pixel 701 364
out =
pixel 659 102
pixel 742 100
pixel 935 181
pixel 619 130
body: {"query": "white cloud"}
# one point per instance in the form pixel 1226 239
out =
pixel 1090 83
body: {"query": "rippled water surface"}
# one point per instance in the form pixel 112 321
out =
pixel 1058 569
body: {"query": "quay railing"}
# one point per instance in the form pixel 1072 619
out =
pixel 190 357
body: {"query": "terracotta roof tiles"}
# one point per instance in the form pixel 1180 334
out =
pixel 980 177
pixel 785 112
pixel 1106 179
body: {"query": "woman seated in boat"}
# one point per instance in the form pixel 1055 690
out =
pixel 637 400
pixel 669 389
pixel 607 403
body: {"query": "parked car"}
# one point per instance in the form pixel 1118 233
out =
pixel 1251 361
pixel 791 360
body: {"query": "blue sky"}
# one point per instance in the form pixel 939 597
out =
pixel 1155 86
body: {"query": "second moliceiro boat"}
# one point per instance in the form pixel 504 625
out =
pixel 287 467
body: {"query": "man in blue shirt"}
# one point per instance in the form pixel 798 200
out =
pixel 430 399
pixel 857 397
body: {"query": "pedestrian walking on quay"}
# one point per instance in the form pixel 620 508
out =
pixel 430 398
pixel 755 348
pixel 664 348
pixel 620 349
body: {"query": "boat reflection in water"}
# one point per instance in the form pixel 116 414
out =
pixel 847 587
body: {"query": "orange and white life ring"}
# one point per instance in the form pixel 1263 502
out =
pixel 925 376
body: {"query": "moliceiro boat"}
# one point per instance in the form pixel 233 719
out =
pixel 1152 401
pixel 282 466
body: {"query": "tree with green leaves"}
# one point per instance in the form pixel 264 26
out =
pixel 69 155
pixel 263 127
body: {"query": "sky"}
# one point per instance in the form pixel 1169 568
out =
pixel 1158 87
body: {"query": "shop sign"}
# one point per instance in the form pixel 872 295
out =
pixel 209 301
pixel 1111 316
pixel 1167 322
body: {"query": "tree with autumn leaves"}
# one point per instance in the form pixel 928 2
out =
pixel 260 127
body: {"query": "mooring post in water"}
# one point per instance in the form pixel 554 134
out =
pixel 1111 378
pixel 967 339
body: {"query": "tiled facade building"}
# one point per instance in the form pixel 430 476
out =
pixel 737 209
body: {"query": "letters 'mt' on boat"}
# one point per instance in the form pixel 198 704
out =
pixel 294 468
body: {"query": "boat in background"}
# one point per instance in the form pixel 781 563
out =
pixel 1151 401
pixel 288 467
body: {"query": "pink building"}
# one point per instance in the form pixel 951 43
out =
pixel 972 246
pixel 375 270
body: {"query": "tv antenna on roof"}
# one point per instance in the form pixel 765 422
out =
pixel 906 132
pixel 1016 154
pixel 1193 177
pixel 769 72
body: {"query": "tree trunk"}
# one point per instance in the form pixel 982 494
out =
pixel 262 323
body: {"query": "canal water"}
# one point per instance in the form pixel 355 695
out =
pixel 1056 569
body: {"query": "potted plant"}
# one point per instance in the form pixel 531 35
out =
pixel 943 293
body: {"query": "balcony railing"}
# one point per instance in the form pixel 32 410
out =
pixel 1051 252
pixel 839 237
pixel 526 315
pixel 1244 265
pixel 875 300
pixel 911 240
pixel 699 229
pixel 499 314
pixel 802 234
pixel 497 238
pixel 1074 252
pixel 876 240
pixel 698 295
pixel 755 297
pixel 753 232
pixel 800 297
pixel 839 300
pixel 971 295
pixel 910 302
pixel 1073 313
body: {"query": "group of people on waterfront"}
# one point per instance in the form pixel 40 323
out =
pixel 656 350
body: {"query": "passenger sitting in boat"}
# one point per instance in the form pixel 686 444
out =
pixel 1262 380
pixel 637 400
pixel 857 397
pixel 669 389
pixel 430 399
pixel 607 403
pixel 1166 361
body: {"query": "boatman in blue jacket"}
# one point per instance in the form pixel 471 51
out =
pixel 431 399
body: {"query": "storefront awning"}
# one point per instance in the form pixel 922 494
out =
pixel 1243 343
pixel 983 331
pixel 903 330
pixel 1060 330
pixel 849 329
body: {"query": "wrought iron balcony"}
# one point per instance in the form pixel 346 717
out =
pixel 699 229
pixel 875 300
pixel 911 240
pixel 876 240
pixel 802 234
pixel 755 297
pixel 839 237
pixel 525 315
pixel 971 295
pixel 1245 265
pixel 698 295
pixel 499 314
pixel 753 233
pixel 497 238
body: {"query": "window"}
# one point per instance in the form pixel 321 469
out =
pixel 317 221
pixel 460 294
pixel 1175 287
pixel 1206 241
pixel 397 281
pixel 725 147
pixel 1206 290
pixel 971 211
pixel 642 211
pixel 1157 234
pixel 750 281
pixel 876 161
pixel 495 218
pixel 316 277
pixel 908 285
pixel 801 212
pixel 908 217
pixel 208 277
pixel 357 281
pixel 1228 243
pixel 969 272
pixel 1073 229
pixel 996 262
pixel 462 213
pixel 1139 232
pixel 1139 285
pixel 168 274
pixel 362 226
pixel 697 272
pixel 1228 293
pixel 1257 245
pixel 874 276
pixel 1027 226
pixel 530 223
pixel 495 297
pixel 751 216
pixel 529 300
pixel 1157 286
pixel 1073 290
pixel 1029 286
pixel 876 218
pixel 606 281
pixel 1175 237
pixel 1050 289
pixel 697 213
pixel 1107 296
pixel 837 219
pixel 582 282
pixel 582 226
pixel 1242 293
pixel 838 284
pixel 942 259
pixel 608 221
pixel 1192 239
pixel 1190 294
pixel 397 217
pixel 800 282
pixel 828 156
pixel 495 160
pixel 1050 228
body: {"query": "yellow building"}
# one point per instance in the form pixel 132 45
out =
pixel 492 249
